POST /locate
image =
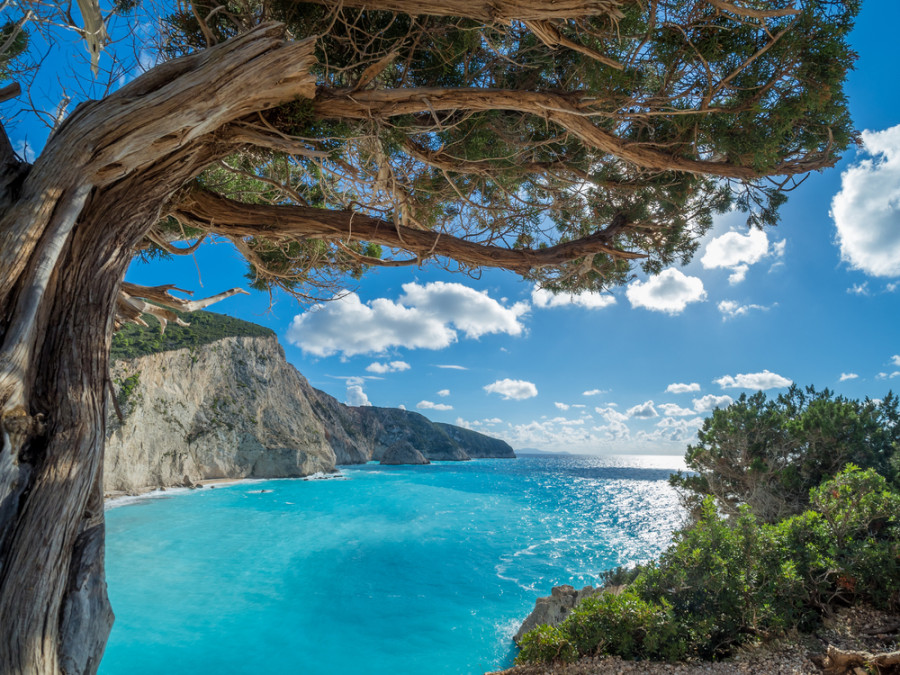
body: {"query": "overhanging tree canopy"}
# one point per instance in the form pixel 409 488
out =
pixel 561 141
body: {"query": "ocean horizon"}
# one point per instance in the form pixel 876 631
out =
pixel 394 569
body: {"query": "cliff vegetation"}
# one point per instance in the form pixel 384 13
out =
pixel 204 328
pixel 757 563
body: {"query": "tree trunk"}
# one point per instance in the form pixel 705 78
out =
pixel 67 235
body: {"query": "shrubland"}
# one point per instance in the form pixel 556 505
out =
pixel 735 573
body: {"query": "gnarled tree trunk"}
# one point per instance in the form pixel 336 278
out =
pixel 66 237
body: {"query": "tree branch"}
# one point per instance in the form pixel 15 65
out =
pixel 502 11
pixel 215 213
pixel 343 104
pixel 752 13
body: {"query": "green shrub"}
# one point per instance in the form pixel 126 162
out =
pixel 768 453
pixel 546 644
pixel 625 625
pixel 725 581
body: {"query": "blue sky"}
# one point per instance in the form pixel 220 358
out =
pixel 813 301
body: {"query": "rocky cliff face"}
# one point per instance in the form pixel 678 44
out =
pixel 235 408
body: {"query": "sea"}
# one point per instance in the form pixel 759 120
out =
pixel 400 570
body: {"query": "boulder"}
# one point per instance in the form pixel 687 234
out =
pixel 553 609
pixel 403 452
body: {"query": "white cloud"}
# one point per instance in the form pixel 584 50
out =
pixel 848 376
pixel 643 410
pixel 451 367
pixel 611 414
pixel 895 359
pixel 866 210
pixel 676 430
pixel 428 405
pixel 392 367
pixel 512 389
pixel 594 392
pixel 426 317
pixel 670 292
pixel 675 410
pixel 356 396
pixel 682 388
pixel 711 401
pixel 737 252
pixel 763 380
pixel 561 406
pixel 859 289
pixel 401 407
pixel 730 309
pixel 444 392
pixel 542 298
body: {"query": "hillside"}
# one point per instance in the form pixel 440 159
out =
pixel 233 407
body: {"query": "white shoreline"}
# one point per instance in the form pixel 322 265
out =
pixel 115 500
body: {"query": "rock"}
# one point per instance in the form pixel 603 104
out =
pixel 235 408
pixel 403 453
pixel 554 609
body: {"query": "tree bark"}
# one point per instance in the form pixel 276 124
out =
pixel 67 235
pixel 501 11
pixel 215 213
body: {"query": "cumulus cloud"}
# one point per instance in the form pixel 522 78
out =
pixel 423 317
pixel 895 359
pixel 611 414
pixel 730 309
pixel 848 376
pixel 392 367
pixel 428 405
pixel 444 392
pixel 736 251
pixel 682 388
pixel 542 298
pixel 866 210
pixel 859 289
pixel 763 380
pixel 512 389
pixel 561 406
pixel 676 430
pixel 643 410
pixel 710 402
pixel 594 392
pixel 356 396
pixel 675 410
pixel 669 292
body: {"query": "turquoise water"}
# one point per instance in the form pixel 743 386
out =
pixel 400 570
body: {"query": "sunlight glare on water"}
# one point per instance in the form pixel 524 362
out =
pixel 412 570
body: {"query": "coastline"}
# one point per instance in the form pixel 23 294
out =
pixel 116 498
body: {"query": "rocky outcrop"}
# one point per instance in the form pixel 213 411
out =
pixel 403 453
pixel 553 609
pixel 230 409
pixel 235 408
pixel 476 445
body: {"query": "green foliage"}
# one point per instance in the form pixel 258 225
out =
pixel 205 327
pixel 126 394
pixel 768 453
pixel 726 581
pixel 547 644
pixel 695 83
